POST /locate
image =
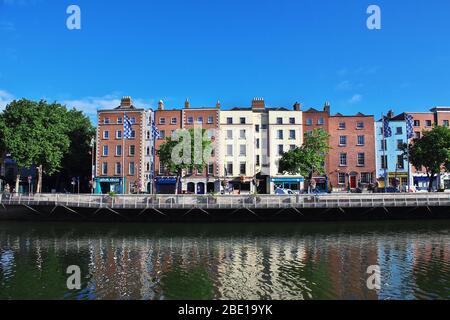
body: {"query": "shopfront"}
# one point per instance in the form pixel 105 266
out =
pixel 105 185
pixel 294 184
pixel 166 185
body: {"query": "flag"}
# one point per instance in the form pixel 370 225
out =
pixel 155 131
pixel 127 128
pixel 387 131
pixel 410 126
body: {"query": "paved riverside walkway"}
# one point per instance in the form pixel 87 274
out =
pixel 224 205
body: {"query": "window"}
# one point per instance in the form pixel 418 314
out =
pixel 242 120
pixel 118 134
pixel 200 120
pixel 279 120
pixel 320 121
pixel 342 126
pixel 229 169
pixel 309 122
pixel 242 134
pixel 210 120
pixel 428 123
pixel 118 168
pixel 229 150
pixel 416 123
pixel 361 140
pixel 104 168
pixel 148 134
pixel 242 150
pixel 384 162
pixel 119 120
pixel 280 134
pixel 200 171
pixel 343 141
pixel 229 120
pixel 257 128
pixel 147 166
pixel 106 121
pixel 147 151
pixel 162 169
pixel 360 125
pixel 399 144
pixel 133 120
pixel 106 134
pixel 131 168
pixel 445 123
pixel 242 168
pixel 173 120
pixel 131 150
pixel 211 168
pixel 229 134
pixel 210 133
pixel 366 177
pixel 292 147
pixel 341 178
pixel 399 130
pixel 105 151
pixel 400 162
pixel 418 135
pixel 361 159
pixel 258 160
pixel 133 134
pixel 280 149
pixel 291 120
pixel 190 120
pixel 162 134
pixel 162 120
pixel 258 143
pixel 118 150
pixel 343 159
pixel 264 127
pixel 292 134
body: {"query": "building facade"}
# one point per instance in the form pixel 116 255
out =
pixel 351 160
pixel 251 142
pixel 392 168
pixel 120 162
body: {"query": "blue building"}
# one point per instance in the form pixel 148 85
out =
pixel 391 166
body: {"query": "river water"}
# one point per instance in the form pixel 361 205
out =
pixel 226 261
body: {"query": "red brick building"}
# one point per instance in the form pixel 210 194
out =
pixel 205 181
pixel 167 121
pixel 119 162
pixel 351 161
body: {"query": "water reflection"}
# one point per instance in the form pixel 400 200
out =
pixel 278 261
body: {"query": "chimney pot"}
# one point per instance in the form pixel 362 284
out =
pixel 161 105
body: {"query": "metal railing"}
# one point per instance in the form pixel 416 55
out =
pixel 229 201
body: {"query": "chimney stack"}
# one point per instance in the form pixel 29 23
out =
pixel 326 107
pixel 258 103
pixel 187 104
pixel 125 102
pixel 390 114
pixel 218 104
pixel 297 106
pixel 161 105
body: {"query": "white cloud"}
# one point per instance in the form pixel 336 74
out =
pixel 5 98
pixel 355 98
pixel 6 26
pixel 345 85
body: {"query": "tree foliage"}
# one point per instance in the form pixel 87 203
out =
pixel 308 158
pixel 431 151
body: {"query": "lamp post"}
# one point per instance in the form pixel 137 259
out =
pixel 92 164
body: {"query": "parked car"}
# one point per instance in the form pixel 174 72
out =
pixel 280 191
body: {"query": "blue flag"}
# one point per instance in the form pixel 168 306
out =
pixel 387 131
pixel 410 126
pixel 127 128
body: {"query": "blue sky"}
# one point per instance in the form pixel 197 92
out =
pixel 309 51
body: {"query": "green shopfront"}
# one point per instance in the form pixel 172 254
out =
pixel 294 184
pixel 105 185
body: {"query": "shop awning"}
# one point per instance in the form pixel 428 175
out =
pixel 288 180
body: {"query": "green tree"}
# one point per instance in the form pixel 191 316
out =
pixel 309 157
pixel 77 161
pixel 431 151
pixel 187 149
pixel 35 134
